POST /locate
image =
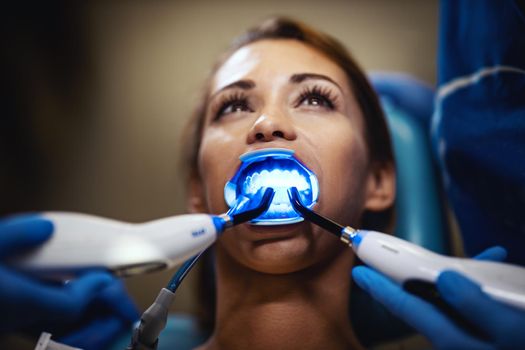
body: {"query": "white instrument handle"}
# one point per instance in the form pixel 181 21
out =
pixel 81 241
pixel 402 261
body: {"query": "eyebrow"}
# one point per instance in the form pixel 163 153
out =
pixel 295 79
pixel 299 78
pixel 239 84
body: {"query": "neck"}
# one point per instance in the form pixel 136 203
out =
pixel 306 309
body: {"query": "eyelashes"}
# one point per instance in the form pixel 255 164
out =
pixel 317 96
pixel 235 102
pixel 312 97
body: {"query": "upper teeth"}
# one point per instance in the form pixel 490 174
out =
pixel 276 179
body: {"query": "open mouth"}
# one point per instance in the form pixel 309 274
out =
pixel 279 169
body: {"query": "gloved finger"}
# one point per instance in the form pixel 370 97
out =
pixel 17 310
pixel 115 297
pixel 494 318
pixel 22 232
pixel 25 301
pixel 495 253
pixel 419 314
pixel 99 334
pixel 69 301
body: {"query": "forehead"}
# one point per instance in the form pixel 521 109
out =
pixel 276 59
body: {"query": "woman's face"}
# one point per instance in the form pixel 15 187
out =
pixel 283 93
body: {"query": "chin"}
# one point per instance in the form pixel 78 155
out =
pixel 277 249
pixel 280 249
pixel 281 255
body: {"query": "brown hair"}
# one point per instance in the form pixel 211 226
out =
pixel 376 131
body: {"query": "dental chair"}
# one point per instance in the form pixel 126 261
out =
pixel 420 218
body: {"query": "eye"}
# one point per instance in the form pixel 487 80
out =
pixel 233 104
pixel 316 97
pixel 316 101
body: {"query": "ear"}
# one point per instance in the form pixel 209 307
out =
pixel 381 187
pixel 196 202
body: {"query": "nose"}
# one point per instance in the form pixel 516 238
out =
pixel 270 127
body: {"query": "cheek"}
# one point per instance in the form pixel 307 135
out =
pixel 344 159
pixel 217 164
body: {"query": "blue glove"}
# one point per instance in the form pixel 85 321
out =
pixel 114 314
pixel 95 300
pixel 500 326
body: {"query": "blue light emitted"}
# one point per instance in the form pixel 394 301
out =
pixel 276 168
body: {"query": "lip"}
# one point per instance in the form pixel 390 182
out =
pixel 297 154
pixel 308 159
pixel 301 156
pixel 257 233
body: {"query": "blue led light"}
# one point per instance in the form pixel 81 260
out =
pixel 276 168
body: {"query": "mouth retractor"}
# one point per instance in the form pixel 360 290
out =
pixel 275 168
pixel 346 234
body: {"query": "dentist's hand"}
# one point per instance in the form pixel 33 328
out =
pixel 95 301
pixel 499 325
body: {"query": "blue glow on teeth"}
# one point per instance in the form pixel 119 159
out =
pixel 279 169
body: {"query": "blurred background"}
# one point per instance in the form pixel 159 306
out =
pixel 96 95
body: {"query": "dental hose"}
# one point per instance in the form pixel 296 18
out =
pixel 153 320
pixel 177 278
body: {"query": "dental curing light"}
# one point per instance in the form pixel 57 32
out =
pixel 279 169
pixel 81 242
pixel 406 263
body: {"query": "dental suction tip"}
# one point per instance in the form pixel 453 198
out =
pixel 293 194
pixel 258 210
pixel 312 216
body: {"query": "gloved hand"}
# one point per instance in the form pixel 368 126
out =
pixel 111 312
pixel 95 300
pixel 501 326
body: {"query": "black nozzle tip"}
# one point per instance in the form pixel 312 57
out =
pixel 295 200
pixel 258 210
pixel 266 200
pixel 310 215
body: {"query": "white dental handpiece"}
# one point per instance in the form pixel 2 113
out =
pixel 81 241
pixel 403 261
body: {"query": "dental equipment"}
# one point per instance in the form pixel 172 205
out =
pixel 279 169
pixel 411 265
pixel 275 168
pixel 153 320
pixel 82 242
pixel 146 333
